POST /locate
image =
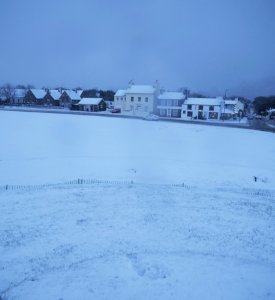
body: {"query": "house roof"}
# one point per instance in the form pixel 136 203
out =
pixel 79 92
pixel 20 93
pixel 120 93
pixel 233 102
pixel 38 93
pixel 55 94
pixel 204 101
pixel 90 101
pixel 72 94
pixel 140 89
pixel 171 96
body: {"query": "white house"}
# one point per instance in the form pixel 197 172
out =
pixel 137 98
pixel 19 95
pixel 202 108
pixel 169 104
pixel 235 105
pixel 119 99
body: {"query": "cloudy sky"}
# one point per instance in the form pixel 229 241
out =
pixel 207 45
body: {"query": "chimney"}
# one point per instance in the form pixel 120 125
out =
pixel 130 83
pixel 157 88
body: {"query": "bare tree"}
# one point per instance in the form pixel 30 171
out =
pixel 8 93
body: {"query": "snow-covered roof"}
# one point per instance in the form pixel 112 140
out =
pixel 231 102
pixel 90 101
pixel 204 101
pixel 38 93
pixel 140 89
pixel 72 94
pixel 79 92
pixel 120 93
pixel 55 94
pixel 19 93
pixel 171 96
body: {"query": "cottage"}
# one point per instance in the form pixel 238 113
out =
pixel 52 97
pixel 232 108
pixel 92 104
pixel 170 104
pixel 18 97
pixel 137 98
pixel 202 108
pixel 35 96
pixel 69 98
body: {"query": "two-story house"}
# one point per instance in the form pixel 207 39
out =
pixel 169 104
pixel 69 98
pixel 202 108
pixel 35 96
pixel 233 107
pixel 137 98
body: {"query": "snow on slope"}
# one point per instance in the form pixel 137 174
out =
pixel 146 240
pixel 45 148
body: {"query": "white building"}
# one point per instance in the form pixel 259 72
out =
pixel 169 104
pixel 202 108
pixel 137 98
pixel 235 105
pixel 119 99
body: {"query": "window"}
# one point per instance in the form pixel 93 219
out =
pixel 169 102
pixel 132 99
pixel 139 99
pixel 174 102
pixel 146 99
pixel 121 98
pixel 211 108
pixel 184 112
pixel 200 107
pixel 175 113
pixel 189 106
pixel 189 114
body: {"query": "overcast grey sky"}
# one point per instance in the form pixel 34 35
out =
pixel 206 45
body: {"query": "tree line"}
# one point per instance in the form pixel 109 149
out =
pixel 263 104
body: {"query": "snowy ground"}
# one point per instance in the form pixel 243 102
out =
pixel 209 237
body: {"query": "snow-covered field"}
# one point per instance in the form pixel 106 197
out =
pixel 193 224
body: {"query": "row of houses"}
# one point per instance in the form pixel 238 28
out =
pixel 61 98
pixel 135 99
pixel 151 99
